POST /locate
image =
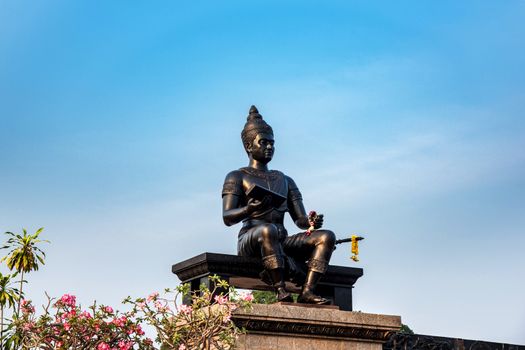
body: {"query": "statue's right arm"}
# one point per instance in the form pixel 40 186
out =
pixel 231 213
pixel 233 210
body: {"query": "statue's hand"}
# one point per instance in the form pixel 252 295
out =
pixel 318 221
pixel 257 205
pixel 304 222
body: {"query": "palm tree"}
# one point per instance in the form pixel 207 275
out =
pixel 24 255
pixel 8 296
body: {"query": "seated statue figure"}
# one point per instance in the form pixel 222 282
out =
pixel 263 234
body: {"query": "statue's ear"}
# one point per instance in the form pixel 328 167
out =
pixel 248 147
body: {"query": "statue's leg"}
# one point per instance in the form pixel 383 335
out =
pixel 317 250
pixel 265 238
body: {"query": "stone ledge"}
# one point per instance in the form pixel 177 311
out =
pixel 315 323
pixel 243 272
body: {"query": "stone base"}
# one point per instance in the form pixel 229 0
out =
pixel 244 272
pixel 290 327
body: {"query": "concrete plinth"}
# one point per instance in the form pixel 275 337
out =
pixel 290 327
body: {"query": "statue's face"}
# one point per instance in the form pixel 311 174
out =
pixel 262 147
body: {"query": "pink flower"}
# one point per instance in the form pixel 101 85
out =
pixel 85 314
pixel 26 306
pixel 27 326
pixel 69 314
pixel 161 307
pixel 247 296
pixel 185 309
pixel 139 330
pixel 68 300
pixel 141 306
pixel 122 345
pixel 108 309
pixel 103 346
pixel 182 347
pixel 120 322
pixel 67 326
pixel 219 299
pixel 153 296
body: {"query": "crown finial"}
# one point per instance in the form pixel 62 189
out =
pixel 253 114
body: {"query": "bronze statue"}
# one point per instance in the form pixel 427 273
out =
pixel 260 197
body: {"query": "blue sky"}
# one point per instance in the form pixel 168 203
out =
pixel 402 121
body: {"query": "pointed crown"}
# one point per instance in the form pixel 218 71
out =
pixel 254 125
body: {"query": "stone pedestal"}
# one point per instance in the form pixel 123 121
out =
pixel 243 272
pixel 290 327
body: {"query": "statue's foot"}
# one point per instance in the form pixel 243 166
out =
pixel 283 295
pixel 308 297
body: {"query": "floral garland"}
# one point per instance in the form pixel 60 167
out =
pixel 312 216
pixel 355 247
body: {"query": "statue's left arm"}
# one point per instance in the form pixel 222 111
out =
pixel 296 206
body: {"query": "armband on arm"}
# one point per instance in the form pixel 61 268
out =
pixel 232 187
pixel 295 195
pixel 232 194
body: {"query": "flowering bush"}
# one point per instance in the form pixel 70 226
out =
pixel 203 325
pixel 64 325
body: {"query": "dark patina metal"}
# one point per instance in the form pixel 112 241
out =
pixel 263 234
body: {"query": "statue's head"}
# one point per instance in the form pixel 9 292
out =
pixel 257 136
